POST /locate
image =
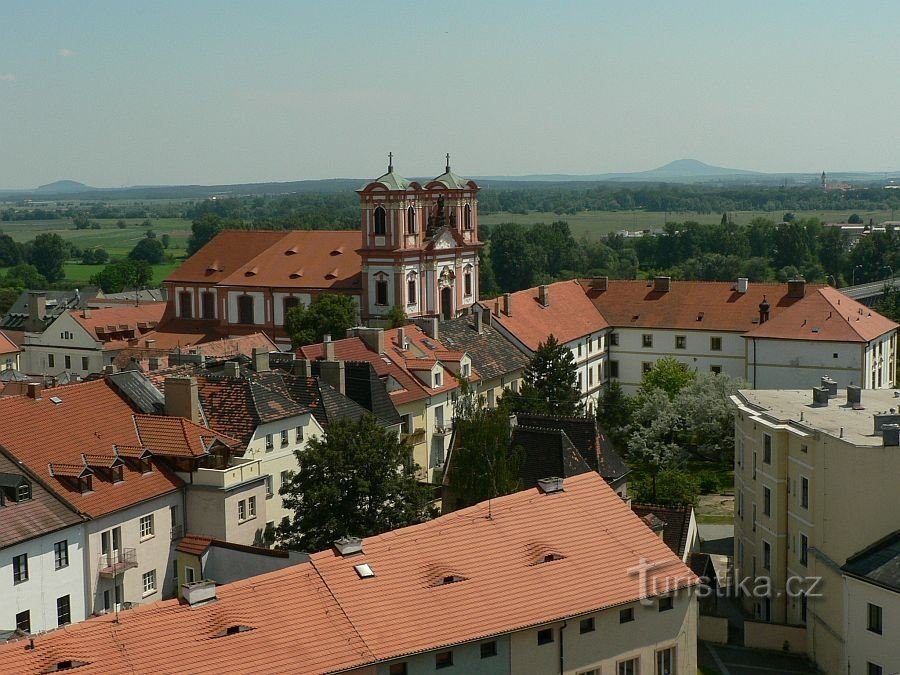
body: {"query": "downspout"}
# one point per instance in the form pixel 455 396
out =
pixel 754 363
pixel 562 660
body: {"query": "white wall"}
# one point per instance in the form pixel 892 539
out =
pixel 278 300
pixel 259 306
pixel 797 364
pixel 861 644
pixel 45 583
pixel 64 337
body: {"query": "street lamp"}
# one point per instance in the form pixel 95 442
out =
pixel 853 276
pixel 833 280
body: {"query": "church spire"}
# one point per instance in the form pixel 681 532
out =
pixel 447 168
pixel 390 162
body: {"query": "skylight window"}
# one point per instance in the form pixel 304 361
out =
pixel 364 571
pixel 56 400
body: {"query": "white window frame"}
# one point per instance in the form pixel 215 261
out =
pixel 148 582
pixel 147 527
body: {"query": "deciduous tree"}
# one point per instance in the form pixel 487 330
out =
pixel 327 314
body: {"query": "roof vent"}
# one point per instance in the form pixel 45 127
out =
pixel 820 396
pixel 447 579
pixel 348 546
pixel 742 284
pixel 68 664
pixel 338 250
pixel 233 630
pixel 251 272
pixel 291 251
pixel 199 592
pixel 297 274
pixel 332 274
pixel 700 316
pixel 364 571
pixel 550 557
pixel 550 485
pixel 890 434
pixel 830 385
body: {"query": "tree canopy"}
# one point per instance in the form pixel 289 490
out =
pixel 550 383
pixel 47 252
pixel 358 480
pixel 327 314
pixel 148 249
pixel 669 375
pixel 123 275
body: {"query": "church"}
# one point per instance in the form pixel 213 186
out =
pixel 417 249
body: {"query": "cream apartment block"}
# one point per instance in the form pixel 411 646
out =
pixel 815 483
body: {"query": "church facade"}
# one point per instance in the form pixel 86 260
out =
pixel 419 246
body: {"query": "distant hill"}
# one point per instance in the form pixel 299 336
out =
pixel 681 170
pixel 62 187
pixel 689 168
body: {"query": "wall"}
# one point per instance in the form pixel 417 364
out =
pixel 466 659
pixel 798 364
pixel 774 636
pixel 45 583
pixel 713 629
pixel 37 347
pixel 862 644
pixel 214 512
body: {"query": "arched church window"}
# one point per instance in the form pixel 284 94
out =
pixel 467 280
pixel 381 289
pixel 467 218
pixel 411 288
pixel 380 222
pixel 410 220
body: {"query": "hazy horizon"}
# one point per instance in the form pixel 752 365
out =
pixel 109 95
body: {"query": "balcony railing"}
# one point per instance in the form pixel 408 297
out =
pixel 442 429
pixel 228 477
pixel 115 562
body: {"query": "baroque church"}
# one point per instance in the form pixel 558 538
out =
pixel 419 246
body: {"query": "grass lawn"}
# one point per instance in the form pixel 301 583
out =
pixel 714 518
pixel 82 273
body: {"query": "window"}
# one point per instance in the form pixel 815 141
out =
pixel 754 517
pixel 270 443
pixel 767 501
pixel 613 339
pixel 61 554
pixel 145 465
pixel 804 492
pixel 410 220
pixel 715 370
pixel 767 449
pixel 754 465
pixel 184 304
pixel 299 434
pixel 874 621
pixel 586 626
pixel 646 367
pixel 190 575
pixel 20 568
pixel 68 362
pixel 149 581
pixel 715 344
pixel 63 611
pixel 84 363
pixel 23 492
pixel 767 555
pixel 147 526
pixel 646 340
pixel 380 218
pixel 467 282
pixel 208 305
pixel 629 667
pixel 381 292
pixel 665 661
pixel 613 369
pixel 666 603
pixel 579 381
pixel 488 649
pixel 438 379
pixel 284 438
pixel 397 669
pixel 443 660
pixel 251 507
pixel 23 621
pixel 579 349
pixel 245 309
pixel 51 360
pixel 804 448
pixel 269 489
pixel 680 342
pixel 285 477
pixel 467 217
pixel 590 377
pixel 545 636
pixel 242 510
pixel 626 615
pixel 873 669
pixel 411 287
pixel 804 550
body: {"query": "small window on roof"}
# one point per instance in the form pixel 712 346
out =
pixel 232 630
pixel 364 570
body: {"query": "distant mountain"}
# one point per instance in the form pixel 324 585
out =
pixel 681 170
pixel 61 187
pixel 690 168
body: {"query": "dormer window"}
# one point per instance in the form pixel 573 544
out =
pixel 144 465
pixel 116 474
pixel 23 493
pixel 85 484
pixel 410 220
pixel 438 379
pixel 380 222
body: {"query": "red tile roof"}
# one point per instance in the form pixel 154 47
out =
pixel 569 315
pixel 826 314
pixel 90 419
pixel 209 343
pixel 293 258
pixel 113 325
pixel 717 304
pixel 177 437
pixel 7 346
pixel 347 621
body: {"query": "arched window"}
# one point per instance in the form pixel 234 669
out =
pixel 380 222
pixel 381 289
pixel 185 304
pixel 411 288
pixel 245 308
pixel 288 304
pixel 410 220
pixel 467 281
pixel 467 218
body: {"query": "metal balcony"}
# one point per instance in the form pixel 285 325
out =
pixel 115 563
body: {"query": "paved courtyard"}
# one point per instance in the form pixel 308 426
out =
pixel 728 660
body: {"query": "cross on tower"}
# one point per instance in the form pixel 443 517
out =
pixel 390 162
pixel 448 163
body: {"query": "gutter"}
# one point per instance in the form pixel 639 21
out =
pixel 562 668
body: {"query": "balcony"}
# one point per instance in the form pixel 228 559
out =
pixel 414 438
pixel 442 430
pixel 225 478
pixel 115 563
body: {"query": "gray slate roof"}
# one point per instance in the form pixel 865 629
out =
pixel 492 354
pixel 878 564
pixel 57 302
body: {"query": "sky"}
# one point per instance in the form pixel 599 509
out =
pixel 120 93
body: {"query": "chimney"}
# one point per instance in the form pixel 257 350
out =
pixel 796 288
pixel 260 359
pixel 544 295
pixel 373 338
pixel 110 369
pixel 890 435
pixel 198 592
pixel 183 398
pixel 232 369
pixel 401 339
pixel 550 485
pixel 600 284
pixel 479 320
pixel 86 313
pixel 430 325
pixel 820 396
pixel 150 342
pixel 301 368
pixel 854 396
pixel 742 284
pixel 348 546
pixel 37 311
pixel 763 311
pixel 497 307
pixel 662 284
pixel 332 372
pixel 34 390
pixel 155 363
pixel 830 385
pixel 329 347
pixel 507 304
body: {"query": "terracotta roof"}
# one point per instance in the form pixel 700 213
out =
pixel 193 544
pixel 688 305
pixel 570 315
pixel 117 324
pixel 196 544
pixel 347 621
pixel 91 418
pixel 177 437
pixel 676 522
pixel 826 314
pixel 173 335
pixel 7 346
pixel 292 258
pixel 492 354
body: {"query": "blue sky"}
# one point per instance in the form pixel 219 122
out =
pixel 120 93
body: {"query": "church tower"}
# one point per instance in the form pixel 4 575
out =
pixel 419 245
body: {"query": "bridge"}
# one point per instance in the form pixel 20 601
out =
pixel 869 293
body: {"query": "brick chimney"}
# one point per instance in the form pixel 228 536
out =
pixel 372 337
pixel 479 320
pixel 763 311
pixel 332 372
pixel 34 390
pixel 507 304
pixel 544 295
pixel 401 339
pixel 662 284
pixel 301 368
pixel 796 288
pixel 183 398
pixel 37 311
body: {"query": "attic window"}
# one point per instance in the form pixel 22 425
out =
pixel 55 400
pixel 233 630
pixel 364 571
pixel 700 316
pixel 291 251
pixel 251 272
pixel 68 664
pixel 550 557
pixel 449 579
pixel 23 492
pixel 332 274
pixel 337 251
pixel 297 274
pixel 85 484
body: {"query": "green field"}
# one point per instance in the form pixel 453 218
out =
pixel 82 273
pixel 596 224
